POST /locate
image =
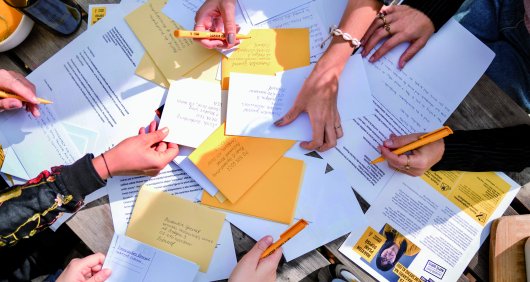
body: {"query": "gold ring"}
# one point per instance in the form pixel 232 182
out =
pixel 387 28
pixel 381 16
pixel 338 126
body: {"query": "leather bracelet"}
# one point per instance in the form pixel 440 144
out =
pixel 105 161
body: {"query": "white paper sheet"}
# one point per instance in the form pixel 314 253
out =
pixel 192 111
pixel 255 102
pixel 336 213
pixel 260 11
pixel 93 86
pixel 131 260
pixel 447 236
pixel 185 164
pixel 418 98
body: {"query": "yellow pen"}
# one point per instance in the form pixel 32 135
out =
pixel 286 236
pixel 423 140
pixel 205 34
pixel 9 95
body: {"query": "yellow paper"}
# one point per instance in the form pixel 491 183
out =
pixel 477 193
pixel 404 274
pixel 234 163
pixel 272 197
pixel 148 70
pixel 174 56
pixel 268 51
pixel 97 14
pixel 369 244
pixel 175 225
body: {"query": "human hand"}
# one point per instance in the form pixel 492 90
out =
pixel 218 16
pixel 145 154
pixel 252 268
pixel 88 269
pixel 405 24
pixel 419 161
pixel 318 97
pixel 16 83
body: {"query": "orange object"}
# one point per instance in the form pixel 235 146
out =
pixel 286 236
pixel 205 34
pixel 5 95
pixel 423 140
pixel 9 20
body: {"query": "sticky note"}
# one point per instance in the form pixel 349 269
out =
pixel 268 51
pixel 234 163
pixel 175 225
pixel 273 196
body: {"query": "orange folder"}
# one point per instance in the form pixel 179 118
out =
pixel 273 196
pixel 234 163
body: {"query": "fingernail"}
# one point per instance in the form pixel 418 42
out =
pixel 372 59
pixel 231 38
pixel 389 142
pixel 363 53
pixel 165 130
pixel 14 105
pixel 37 113
pixel 34 100
pixel 402 65
pixel 268 240
pixel 278 122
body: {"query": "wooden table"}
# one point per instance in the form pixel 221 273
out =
pixel 486 107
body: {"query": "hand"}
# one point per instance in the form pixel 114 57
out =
pixel 421 159
pixel 406 25
pixel 218 16
pixel 16 83
pixel 145 154
pixel 318 97
pixel 87 269
pixel 252 268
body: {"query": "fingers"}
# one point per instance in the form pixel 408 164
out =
pixel 254 255
pixel 318 127
pixel 293 113
pixel 161 147
pixel 152 126
pixel 228 11
pixel 330 138
pixel 411 51
pixel 10 104
pixel 93 260
pixel 17 84
pixel 157 136
pixel 392 42
pixel 270 263
pixel 141 131
pixel 100 276
pixel 395 142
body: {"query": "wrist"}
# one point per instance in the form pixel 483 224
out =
pixel 99 166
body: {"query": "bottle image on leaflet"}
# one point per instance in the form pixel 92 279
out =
pixel 61 16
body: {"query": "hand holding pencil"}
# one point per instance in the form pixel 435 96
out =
pixel 13 83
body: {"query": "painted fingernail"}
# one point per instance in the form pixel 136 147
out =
pixel 388 142
pixel 165 130
pixel 278 122
pixel 231 38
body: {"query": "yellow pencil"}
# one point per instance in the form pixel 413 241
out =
pixel 9 95
pixel 423 140
pixel 205 34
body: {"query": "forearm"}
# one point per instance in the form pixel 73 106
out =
pixel 356 19
pixel 29 208
pixel 501 149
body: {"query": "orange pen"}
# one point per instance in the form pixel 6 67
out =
pixel 286 236
pixel 423 140
pixel 205 34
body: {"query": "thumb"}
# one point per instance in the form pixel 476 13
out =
pixel 293 113
pixel 254 255
pixel 10 104
pixel 271 262
pixel 170 154
pixel 228 12
pixel 156 136
pixel 395 142
pixel 101 276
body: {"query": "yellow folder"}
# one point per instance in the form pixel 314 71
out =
pixel 234 163
pixel 268 51
pixel 273 196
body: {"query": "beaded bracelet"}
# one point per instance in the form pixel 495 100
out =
pixel 335 31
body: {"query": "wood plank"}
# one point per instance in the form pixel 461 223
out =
pixel 295 270
pixel 479 264
pixel 333 248
pixel 8 64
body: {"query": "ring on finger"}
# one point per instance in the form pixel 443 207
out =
pixel 407 166
pixel 387 28
pixel 338 126
pixel 381 16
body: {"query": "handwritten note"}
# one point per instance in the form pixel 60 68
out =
pixel 131 260
pixel 193 110
pixel 257 101
pixel 223 159
pixel 176 225
pixel 269 51
pixel 173 56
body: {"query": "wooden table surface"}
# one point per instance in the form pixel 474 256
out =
pixel 485 107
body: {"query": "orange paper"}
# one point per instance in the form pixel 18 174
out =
pixel 272 197
pixel 268 51
pixel 234 163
